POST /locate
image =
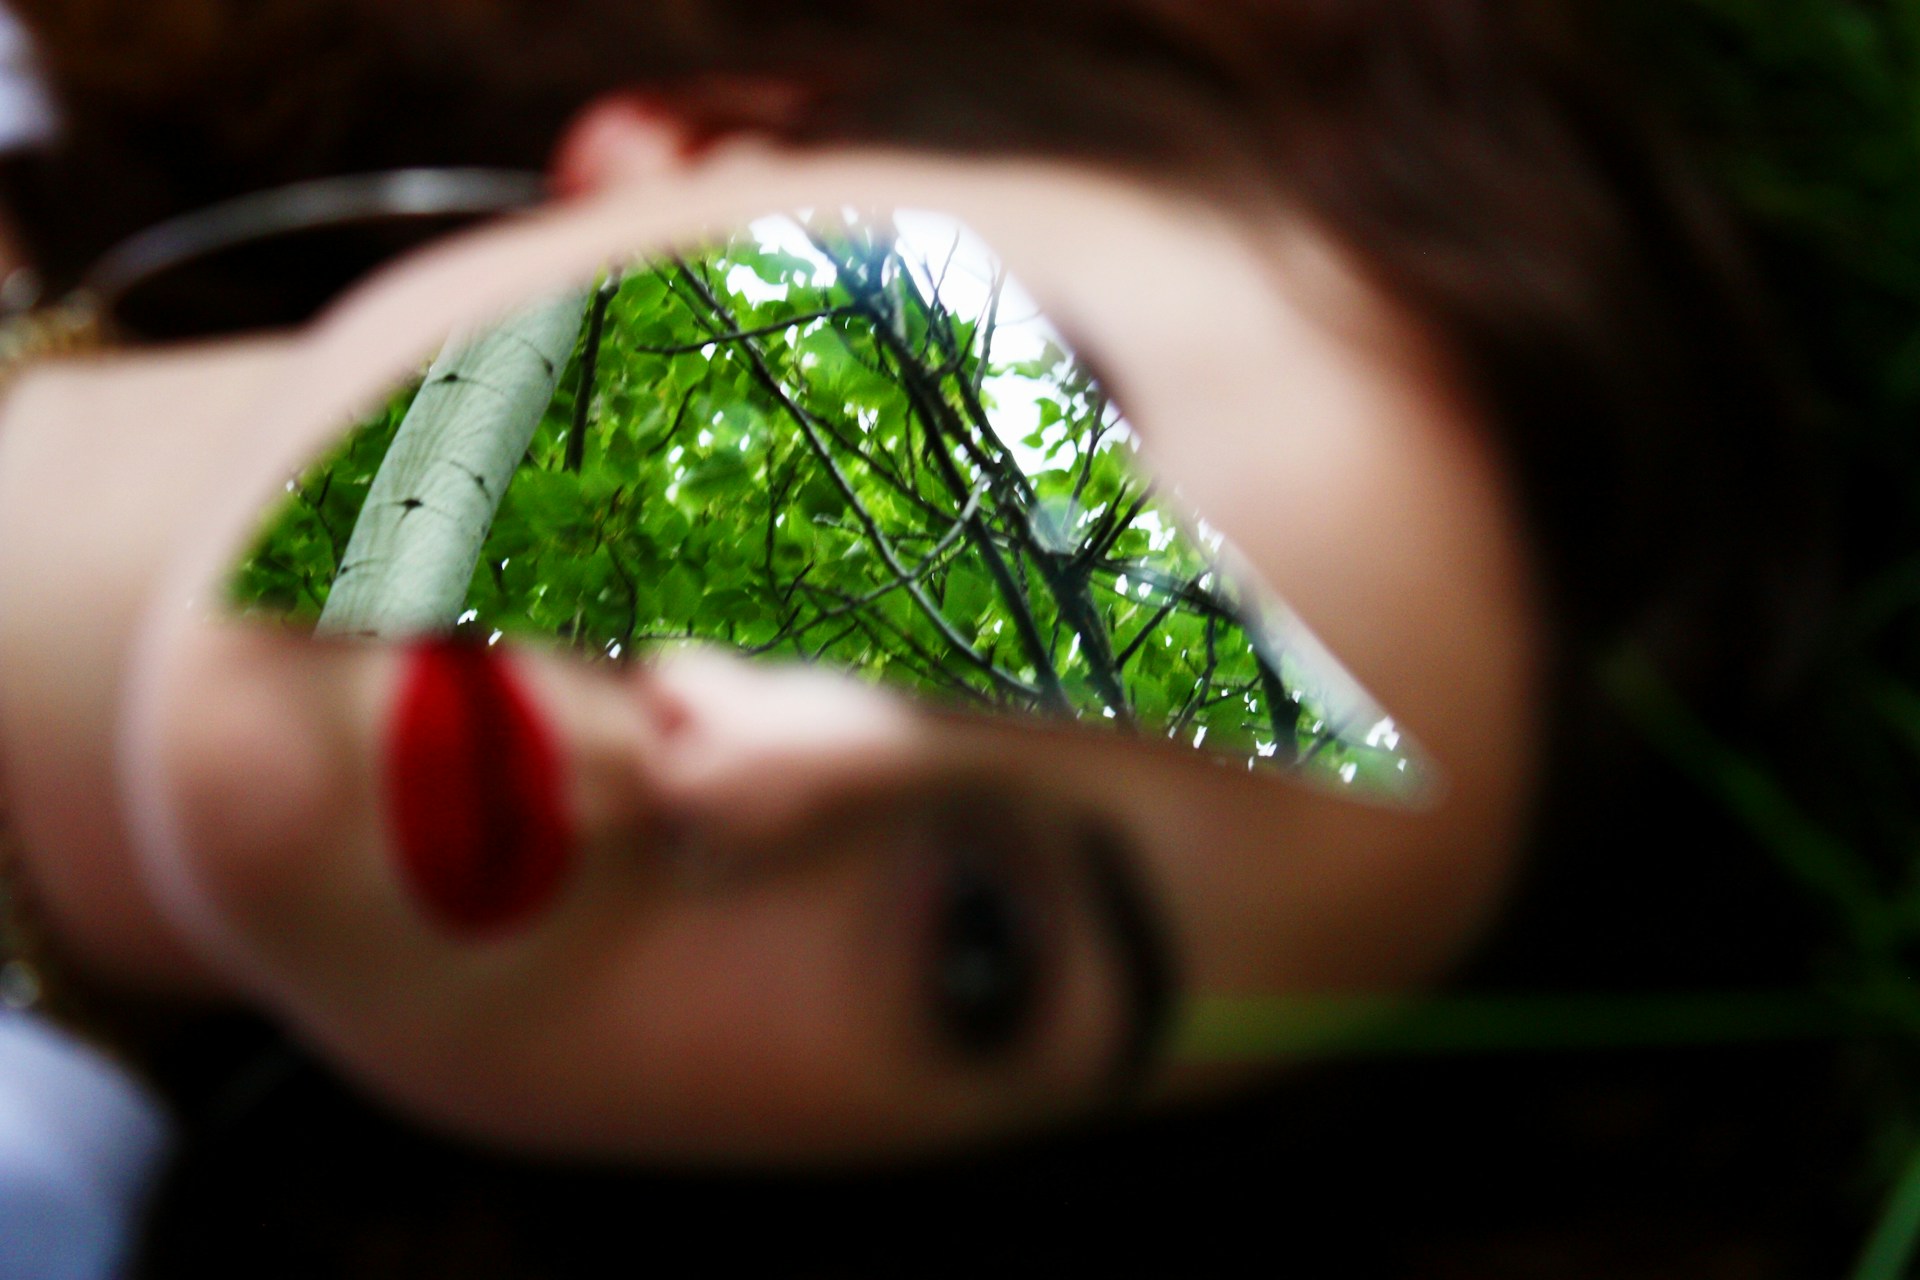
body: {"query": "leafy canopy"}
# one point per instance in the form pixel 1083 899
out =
pixel 861 448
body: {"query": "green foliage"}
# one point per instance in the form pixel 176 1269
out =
pixel 796 447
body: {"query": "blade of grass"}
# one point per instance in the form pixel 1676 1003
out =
pixel 1890 1249
pixel 1899 707
pixel 1800 846
pixel 1258 1028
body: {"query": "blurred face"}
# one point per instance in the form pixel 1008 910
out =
pixel 701 907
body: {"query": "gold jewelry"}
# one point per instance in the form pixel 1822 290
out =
pixel 32 333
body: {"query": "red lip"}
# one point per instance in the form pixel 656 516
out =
pixel 473 790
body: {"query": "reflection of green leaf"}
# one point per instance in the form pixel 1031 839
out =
pixel 819 497
pixel 969 593
pixel 1151 701
pixel 827 360
pixel 733 604
pixel 717 475
pixel 669 527
pixel 544 499
pixel 680 593
pixel 701 505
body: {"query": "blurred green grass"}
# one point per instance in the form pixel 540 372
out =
pixel 1807 115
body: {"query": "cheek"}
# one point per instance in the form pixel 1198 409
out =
pixel 770 1025
pixel 252 770
pixel 785 1022
pixel 763 1022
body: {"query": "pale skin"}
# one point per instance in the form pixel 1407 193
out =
pixel 737 968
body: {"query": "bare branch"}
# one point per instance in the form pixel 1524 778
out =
pixel 882 546
pixel 927 564
pixel 835 639
pixel 989 326
pixel 1100 427
pixel 1283 712
pixel 927 666
pixel 589 370
pixel 743 335
pixel 1141 636
pixel 1108 530
pixel 336 546
pixel 1202 689
pixel 1067 584
pixel 1188 592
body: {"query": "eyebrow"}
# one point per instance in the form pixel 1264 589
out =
pixel 1137 936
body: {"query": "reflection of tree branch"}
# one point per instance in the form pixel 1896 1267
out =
pixel 836 638
pixel 1204 688
pixel 589 371
pixel 988 328
pixel 799 580
pixel 787 630
pixel 702 267
pixel 1003 463
pixel 1092 447
pixel 937 418
pixel 1283 712
pixel 886 474
pixel 1187 591
pixel 808 430
pixel 835 430
pixel 943 329
pixel 673 429
pixel 602 542
pixel 853 604
pixel 1108 529
pixel 672 284
pixel 743 335
pixel 863 283
pixel 1321 741
pixel 931 407
pixel 1067 583
pixel 946 267
pixel 1226 693
pixel 317 505
pixel 1140 637
pixel 778 487
pixel 838 433
pixel 633 596
pixel 927 564
pixel 267 560
pixel 928 667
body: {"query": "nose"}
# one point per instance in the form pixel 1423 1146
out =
pixel 748 751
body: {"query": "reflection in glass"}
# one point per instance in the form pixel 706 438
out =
pixel 862 446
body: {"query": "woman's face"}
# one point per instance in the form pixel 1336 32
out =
pixel 769 911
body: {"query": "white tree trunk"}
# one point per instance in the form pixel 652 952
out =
pixel 412 554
